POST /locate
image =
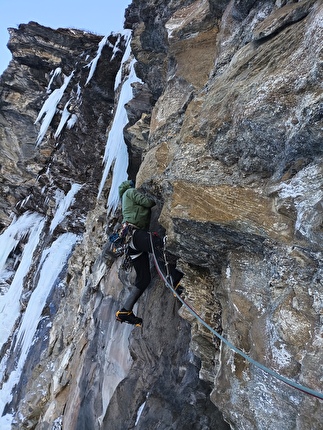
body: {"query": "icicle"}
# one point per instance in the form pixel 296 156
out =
pixel 93 63
pixel 78 91
pixel 126 55
pixel 31 224
pixel 63 205
pixel 64 117
pixel 115 47
pixel 10 238
pixel 53 261
pixel 72 121
pixel 23 202
pixel 116 149
pixel 95 60
pixel 56 72
pixel 49 108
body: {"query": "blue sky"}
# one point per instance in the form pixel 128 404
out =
pixel 96 16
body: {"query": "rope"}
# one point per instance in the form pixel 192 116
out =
pixel 271 372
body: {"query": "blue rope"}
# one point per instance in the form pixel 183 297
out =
pixel 287 381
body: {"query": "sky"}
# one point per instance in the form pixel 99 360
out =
pixel 96 16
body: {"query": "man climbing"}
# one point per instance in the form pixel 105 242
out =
pixel 136 212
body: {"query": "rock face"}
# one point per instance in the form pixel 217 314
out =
pixel 43 59
pixel 225 130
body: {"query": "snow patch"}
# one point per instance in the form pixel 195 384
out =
pixel 281 355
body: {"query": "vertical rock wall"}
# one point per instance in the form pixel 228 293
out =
pixel 226 132
pixel 236 148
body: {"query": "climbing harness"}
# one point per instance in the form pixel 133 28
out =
pixel 168 282
pixel 120 240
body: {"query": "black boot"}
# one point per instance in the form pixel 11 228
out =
pixel 129 317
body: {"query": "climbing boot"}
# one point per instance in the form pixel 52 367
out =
pixel 128 317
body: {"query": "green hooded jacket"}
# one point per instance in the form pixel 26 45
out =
pixel 136 207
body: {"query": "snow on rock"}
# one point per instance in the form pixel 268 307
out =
pixel 306 191
pixel 186 16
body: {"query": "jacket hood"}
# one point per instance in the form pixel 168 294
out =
pixel 124 186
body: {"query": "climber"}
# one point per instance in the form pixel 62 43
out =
pixel 136 212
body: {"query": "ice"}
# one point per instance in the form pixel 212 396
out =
pixel 141 408
pixel 116 152
pixel 119 175
pixel 72 121
pixel 64 118
pixel 62 206
pixel 78 92
pixel 12 235
pixel 118 361
pixel 126 55
pixel 49 108
pixel 31 224
pixel 22 203
pixel 53 262
pixel 52 265
pixel 6 421
pixel 56 72
pixel 93 63
pixel 115 48
pixel 26 232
